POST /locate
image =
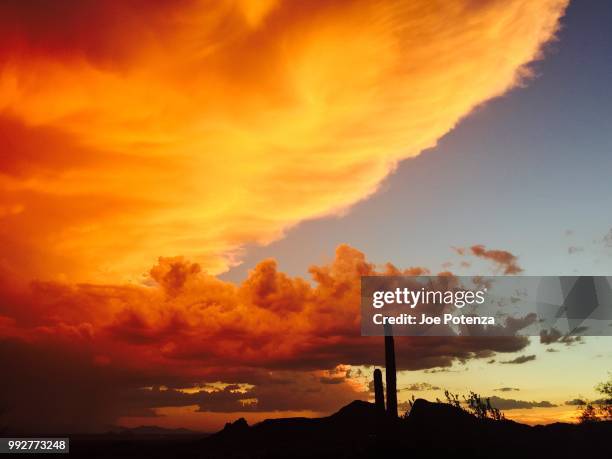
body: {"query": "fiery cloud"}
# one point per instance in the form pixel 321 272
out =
pixel 137 129
pixel 179 131
pixel 506 262
pixel 273 338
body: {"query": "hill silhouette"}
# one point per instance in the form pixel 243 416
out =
pixel 361 430
pixel 357 430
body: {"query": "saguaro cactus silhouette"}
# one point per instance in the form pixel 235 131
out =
pixel 379 395
pixel 390 375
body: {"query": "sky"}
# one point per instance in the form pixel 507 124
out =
pixel 191 191
pixel 520 172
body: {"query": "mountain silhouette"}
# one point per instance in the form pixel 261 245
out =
pixel 358 430
pixel 337 432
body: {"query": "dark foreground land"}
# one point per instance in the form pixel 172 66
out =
pixel 359 430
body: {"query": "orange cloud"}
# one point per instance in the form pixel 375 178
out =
pixel 134 129
pixel 504 259
pixel 277 334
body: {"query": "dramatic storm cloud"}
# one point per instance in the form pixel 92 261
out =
pixel 133 130
pixel 280 342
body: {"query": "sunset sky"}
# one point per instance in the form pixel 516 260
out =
pixel 191 190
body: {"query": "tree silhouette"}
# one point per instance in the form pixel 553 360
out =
pixel 598 410
pixel 605 405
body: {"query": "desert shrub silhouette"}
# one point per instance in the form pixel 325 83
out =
pixel 475 405
pixel 598 410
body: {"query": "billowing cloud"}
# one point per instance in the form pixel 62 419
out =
pixel 270 338
pixel 191 128
pixel 180 131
